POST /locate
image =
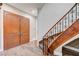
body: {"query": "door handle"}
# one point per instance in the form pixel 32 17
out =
pixel 21 33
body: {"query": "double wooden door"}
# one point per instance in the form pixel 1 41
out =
pixel 16 30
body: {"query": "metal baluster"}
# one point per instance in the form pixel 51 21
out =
pixel 60 26
pixel 76 11
pixel 57 28
pixel 68 19
pixel 54 32
pixel 51 32
pixel 49 36
pixel 65 23
pixel 72 15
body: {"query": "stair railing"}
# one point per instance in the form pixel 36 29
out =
pixel 66 21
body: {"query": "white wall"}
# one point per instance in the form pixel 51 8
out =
pixel 49 15
pixel 16 11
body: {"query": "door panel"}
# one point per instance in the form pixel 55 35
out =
pixel 11 30
pixel 16 30
pixel 24 30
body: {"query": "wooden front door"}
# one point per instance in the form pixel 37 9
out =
pixel 16 30
pixel 24 31
pixel 11 30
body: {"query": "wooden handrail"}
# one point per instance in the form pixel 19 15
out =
pixel 61 19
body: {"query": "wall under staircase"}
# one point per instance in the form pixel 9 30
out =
pixel 71 48
pixel 58 51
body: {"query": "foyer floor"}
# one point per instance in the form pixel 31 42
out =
pixel 29 49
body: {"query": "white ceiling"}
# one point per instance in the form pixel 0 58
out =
pixel 28 7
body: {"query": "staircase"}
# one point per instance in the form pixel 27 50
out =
pixel 62 31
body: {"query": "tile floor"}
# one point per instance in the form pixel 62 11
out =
pixel 29 49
